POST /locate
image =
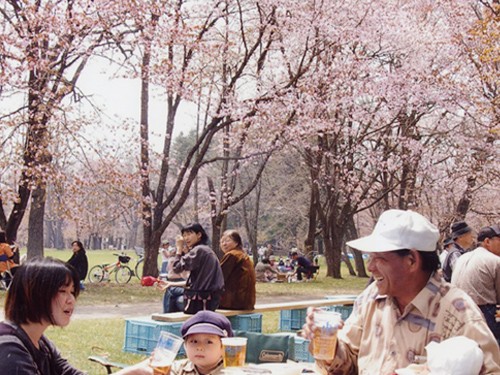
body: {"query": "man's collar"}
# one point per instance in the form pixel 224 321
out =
pixel 421 300
pixel 192 368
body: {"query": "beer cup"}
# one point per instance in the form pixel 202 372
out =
pixel 235 350
pixel 325 334
pixel 165 353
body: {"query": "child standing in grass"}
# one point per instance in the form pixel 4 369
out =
pixel 202 340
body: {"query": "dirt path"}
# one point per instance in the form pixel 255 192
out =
pixel 147 308
pixel 140 309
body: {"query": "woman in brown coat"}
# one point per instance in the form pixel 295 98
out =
pixel 239 274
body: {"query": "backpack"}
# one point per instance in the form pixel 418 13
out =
pixel 447 270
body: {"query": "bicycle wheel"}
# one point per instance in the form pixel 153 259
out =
pixel 96 274
pixel 123 275
pixel 139 268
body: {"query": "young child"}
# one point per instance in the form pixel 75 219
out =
pixel 202 340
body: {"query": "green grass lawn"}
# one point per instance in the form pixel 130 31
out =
pixel 77 340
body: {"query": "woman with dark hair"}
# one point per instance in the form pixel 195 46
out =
pixel 79 261
pixel 239 274
pixel 203 288
pixel 43 293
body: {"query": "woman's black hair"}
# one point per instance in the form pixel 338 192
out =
pixel 430 259
pixel 3 237
pixel 34 286
pixel 80 245
pixel 196 228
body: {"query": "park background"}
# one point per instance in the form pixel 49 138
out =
pixel 295 122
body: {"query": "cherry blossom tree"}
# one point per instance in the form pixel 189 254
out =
pixel 215 51
pixel 45 45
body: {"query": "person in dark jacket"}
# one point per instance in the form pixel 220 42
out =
pixel 304 265
pixel 79 261
pixel 43 293
pixel 239 274
pixel 204 287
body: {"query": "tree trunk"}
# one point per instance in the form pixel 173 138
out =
pixel 464 203
pixel 336 243
pixel 359 263
pixel 251 220
pixel 313 214
pixel 347 261
pixel 150 267
pixel 35 223
pixel 216 233
pixel 151 243
pixel 132 235
pixel 216 220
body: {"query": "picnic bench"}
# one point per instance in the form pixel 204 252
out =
pixel 261 308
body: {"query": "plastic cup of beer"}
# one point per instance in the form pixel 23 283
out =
pixel 325 334
pixel 165 353
pixel 235 350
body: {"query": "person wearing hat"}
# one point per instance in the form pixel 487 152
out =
pixel 446 249
pixel 407 306
pixel 478 274
pixel 202 341
pixel 463 239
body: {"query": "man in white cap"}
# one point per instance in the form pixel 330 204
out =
pixel 406 307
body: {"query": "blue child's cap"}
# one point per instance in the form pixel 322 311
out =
pixel 207 322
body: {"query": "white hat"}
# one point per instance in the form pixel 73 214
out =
pixel 396 230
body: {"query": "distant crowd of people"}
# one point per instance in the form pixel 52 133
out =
pixel 291 269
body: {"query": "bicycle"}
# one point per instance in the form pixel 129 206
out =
pixel 122 272
pixel 139 251
pixel 6 276
pixel 5 279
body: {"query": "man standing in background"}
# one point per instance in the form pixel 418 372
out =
pixel 463 239
pixel 478 274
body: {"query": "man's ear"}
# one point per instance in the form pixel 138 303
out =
pixel 414 259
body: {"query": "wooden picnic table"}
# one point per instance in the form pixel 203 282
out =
pixel 260 308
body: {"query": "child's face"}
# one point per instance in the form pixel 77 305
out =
pixel 204 350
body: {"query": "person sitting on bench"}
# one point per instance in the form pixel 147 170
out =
pixel 304 266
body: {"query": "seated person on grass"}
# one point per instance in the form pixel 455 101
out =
pixel 202 340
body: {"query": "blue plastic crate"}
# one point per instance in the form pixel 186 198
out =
pixel 292 320
pixel 141 334
pixel 300 350
pixel 246 322
pixel 345 311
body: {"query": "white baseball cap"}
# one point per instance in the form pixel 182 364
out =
pixel 396 230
